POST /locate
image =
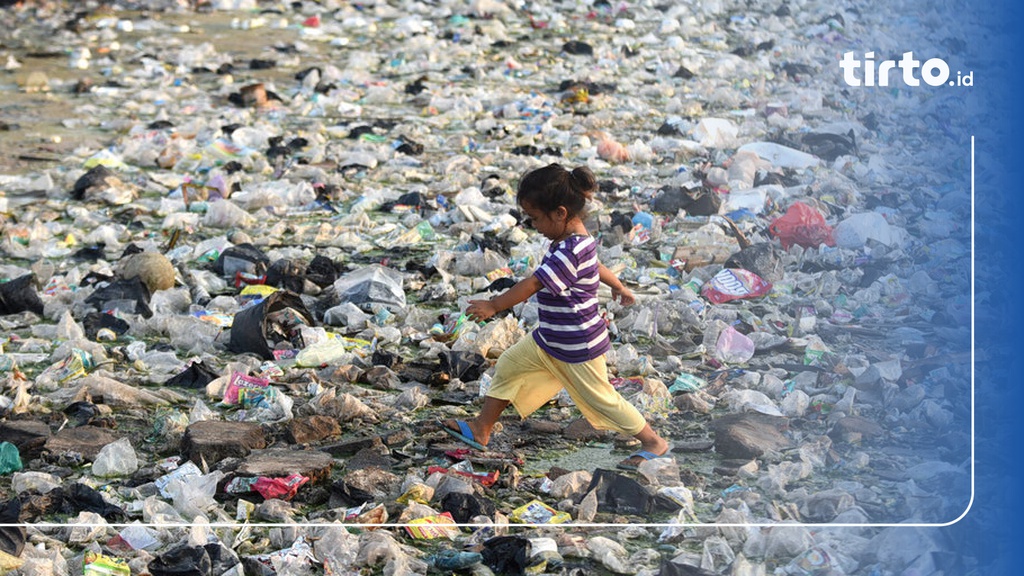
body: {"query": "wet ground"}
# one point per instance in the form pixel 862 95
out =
pixel 163 82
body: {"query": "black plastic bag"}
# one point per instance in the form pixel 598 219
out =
pixel 761 259
pixel 466 366
pixel 253 326
pixel 349 496
pixel 321 271
pixel 182 560
pixel 129 296
pixel 619 494
pixel 82 497
pixel 96 321
pixel 695 201
pixel 196 375
pixel 578 48
pixel 81 412
pixel 287 274
pixel 18 295
pixel 241 257
pixel 413 199
pixel 222 558
pixel 12 538
pixel 464 507
pixel 829 146
pixel 507 554
pixel 99 177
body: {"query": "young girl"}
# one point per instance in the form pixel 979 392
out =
pixel 568 347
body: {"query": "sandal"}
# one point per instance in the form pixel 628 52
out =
pixel 646 455
pixel 464 434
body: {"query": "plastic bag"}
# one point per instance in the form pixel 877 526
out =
pixel 431 527
pixel 10 460
pixel 733 284
pixel 116 459
pixel 372 285
pixel 96 564
pixel 733 347
pixel 802 225
pixel 280 488
pixel 537 512
pixel 279 317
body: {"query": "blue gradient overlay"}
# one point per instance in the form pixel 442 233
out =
pixel 994 526
pixel 933 127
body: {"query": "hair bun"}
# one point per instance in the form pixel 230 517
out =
pixel 584 181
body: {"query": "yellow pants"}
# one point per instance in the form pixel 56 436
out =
pixel 529 377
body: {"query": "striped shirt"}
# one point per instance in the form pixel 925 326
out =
pixel 571 327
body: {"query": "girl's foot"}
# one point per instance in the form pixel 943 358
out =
pixel 477 435
pixel 656 448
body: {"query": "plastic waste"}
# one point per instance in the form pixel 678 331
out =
pixel 619 494
pixel 10 459
pixel 276 319
pixel 779 155
pixel 402 151
pixel 96 564
pixel 686 383
pixel 372 285
pixel 35 481
pixel 733 284
pixel 12 536
pixel 130 296
pixel 803 226
pixel 696 201
pixel 432 527
pixel 715 132
pixel 281 488
pixel 855 231
pixel 537 512
pixel 116 459
pixel 454 560
pixel 506 554
pixel 733 347
pixel 183 559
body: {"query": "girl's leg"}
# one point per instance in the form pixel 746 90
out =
pixel 651 442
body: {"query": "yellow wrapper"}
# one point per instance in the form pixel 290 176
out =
pixel 431 527
pixel 537 512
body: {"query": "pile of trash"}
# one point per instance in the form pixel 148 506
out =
pixel 236 263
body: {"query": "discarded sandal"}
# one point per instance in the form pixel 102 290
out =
pixel 465 435
pixel 628 465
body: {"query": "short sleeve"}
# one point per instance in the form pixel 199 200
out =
pixel 558 271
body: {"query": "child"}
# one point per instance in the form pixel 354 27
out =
pixel 568 347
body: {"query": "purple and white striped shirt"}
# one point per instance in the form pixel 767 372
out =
pixel 571 327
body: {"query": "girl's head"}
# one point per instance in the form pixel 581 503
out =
pixel 552 187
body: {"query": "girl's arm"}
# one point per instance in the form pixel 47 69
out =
pixel 620 292
pixel 484 309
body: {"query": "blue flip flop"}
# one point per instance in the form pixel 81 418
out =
pixel 646 455
pixel 465 435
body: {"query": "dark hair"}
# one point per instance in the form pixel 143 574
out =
pixel 553 186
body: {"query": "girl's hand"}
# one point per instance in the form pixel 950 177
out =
pixel 623 295
pixel 479 310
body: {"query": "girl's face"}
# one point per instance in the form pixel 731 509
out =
pixel 553 225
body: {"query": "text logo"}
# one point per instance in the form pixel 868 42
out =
pixel 868 72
